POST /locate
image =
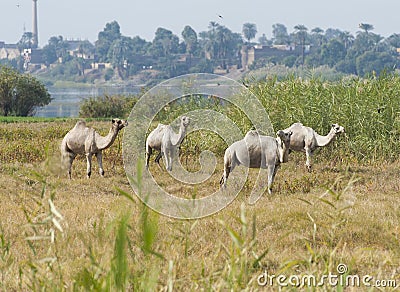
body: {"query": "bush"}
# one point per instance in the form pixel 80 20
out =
pixel 20 94
pixel 107 106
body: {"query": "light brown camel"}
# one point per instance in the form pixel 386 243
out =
pixel 84 140
pixel 306 139
pixel 164 139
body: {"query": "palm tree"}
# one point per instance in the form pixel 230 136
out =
pixel 366 27
pixel 318 34
pixel 119 53
pixel 223 38
pixel 367 40
pixel 249 31
pixel 346 38
pixel 212 26
pixel 210 40
pixel 301 33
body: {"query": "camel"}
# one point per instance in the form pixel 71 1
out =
pixel 84 140
pixel 257 151
pixel 164 140
pixel 306 139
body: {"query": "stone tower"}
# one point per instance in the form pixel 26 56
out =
pixel 35 25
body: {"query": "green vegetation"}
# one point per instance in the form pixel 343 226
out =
pixel 218 49
pixel 107 106
pixel 79 234
pixel 367 108
pixel 20 94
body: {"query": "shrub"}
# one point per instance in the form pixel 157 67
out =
pixel 20 94
pixel 107 106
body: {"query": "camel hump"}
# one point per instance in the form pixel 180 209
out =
pixel 159 130
pixel 80 124
pixel 252 140
pixel 297 125
pixel 251 134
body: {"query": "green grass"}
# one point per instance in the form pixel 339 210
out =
pixel 11 119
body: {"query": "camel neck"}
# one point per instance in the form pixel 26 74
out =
pixel 105 142
pixel 324 140
pixel 179 138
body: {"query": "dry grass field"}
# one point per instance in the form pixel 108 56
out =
pixel 59 234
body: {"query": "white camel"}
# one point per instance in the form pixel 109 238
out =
pixel 84 140
pixel 257 151
pixel 306 139
pixel 164 140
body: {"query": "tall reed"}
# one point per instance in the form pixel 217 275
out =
pixel 369 109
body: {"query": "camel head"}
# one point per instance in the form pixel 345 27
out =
pixel 283 139
pixel 337 129
pixel 185 121
pixel 119 124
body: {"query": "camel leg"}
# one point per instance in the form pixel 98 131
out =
pixel 99 156
pixel 271 174
pixel 225 176
pixel 164 154
pixel 149 150
pixel 157 160
pixel 171 158
pixel 167 159
pixel 308 159
pixel 228 168
pixel 89 164
pixel 67 157
pixel 70 157
pixel 277 166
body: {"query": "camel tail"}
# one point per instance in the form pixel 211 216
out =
pixel 227 166
pixel 66 153
pixel 228 158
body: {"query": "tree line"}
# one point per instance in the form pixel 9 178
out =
pixel 218 46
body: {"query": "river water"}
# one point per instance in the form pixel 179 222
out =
pixel 66 101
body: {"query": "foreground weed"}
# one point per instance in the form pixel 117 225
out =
pixel 242 257
pixel 327 214
pixel 44 226
pixel 134 264
pixel 6 258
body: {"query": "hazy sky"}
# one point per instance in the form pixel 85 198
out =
pixel 84 19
